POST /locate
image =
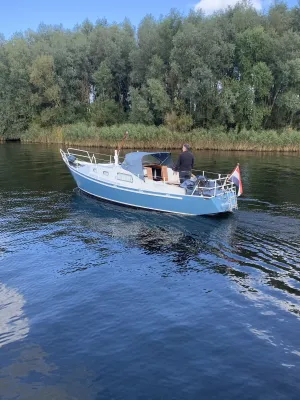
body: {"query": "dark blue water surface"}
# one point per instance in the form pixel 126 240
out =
pixel 99 301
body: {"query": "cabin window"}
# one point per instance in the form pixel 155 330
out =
pixel 105 173
pixel 124 177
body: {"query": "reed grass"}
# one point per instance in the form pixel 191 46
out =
pixel 152 137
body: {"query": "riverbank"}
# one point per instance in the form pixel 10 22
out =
pixel 152 137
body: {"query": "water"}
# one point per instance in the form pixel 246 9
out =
pixel 104 302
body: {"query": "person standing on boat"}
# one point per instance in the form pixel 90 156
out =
pixel 185 163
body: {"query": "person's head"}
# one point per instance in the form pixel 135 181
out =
pixel 186 147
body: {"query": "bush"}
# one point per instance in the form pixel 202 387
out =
pixel 80 132
pixel 152 137
pixel 181 123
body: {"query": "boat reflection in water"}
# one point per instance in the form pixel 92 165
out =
pixel 154 232
pixel 223 245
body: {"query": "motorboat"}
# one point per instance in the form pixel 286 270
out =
pixel 146 180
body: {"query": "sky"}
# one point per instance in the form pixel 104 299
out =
pixel 20 15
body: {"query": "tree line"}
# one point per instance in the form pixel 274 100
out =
pixel 238 68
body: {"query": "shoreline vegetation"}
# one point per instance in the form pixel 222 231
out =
pixel 226 81
pixel 161 138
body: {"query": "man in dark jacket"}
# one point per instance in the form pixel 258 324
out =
pixel 185 163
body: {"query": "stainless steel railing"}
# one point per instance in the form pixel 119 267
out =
pixel 209 174
pixel 92 157
pixel 216 187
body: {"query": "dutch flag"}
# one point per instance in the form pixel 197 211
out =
pixel 236 178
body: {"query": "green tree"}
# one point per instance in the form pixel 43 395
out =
pixel 159 99
pixel 46 92
pixel 15 109
pixel 235 68
pixel 290 101
pixel 140 112
pixel 104 82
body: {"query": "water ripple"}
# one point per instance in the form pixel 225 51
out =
pixel 151 305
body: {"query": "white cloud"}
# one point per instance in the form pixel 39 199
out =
pixel 210 6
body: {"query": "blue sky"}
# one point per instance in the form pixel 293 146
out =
pixel 19 15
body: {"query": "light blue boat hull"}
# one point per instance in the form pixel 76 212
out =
pixel 180 204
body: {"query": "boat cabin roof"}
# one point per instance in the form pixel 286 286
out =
pixel 136 161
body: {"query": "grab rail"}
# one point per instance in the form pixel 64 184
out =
pixel 205 173
pixel 221 186
pixel 91 157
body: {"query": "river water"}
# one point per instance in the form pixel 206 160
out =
pixel 99 301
